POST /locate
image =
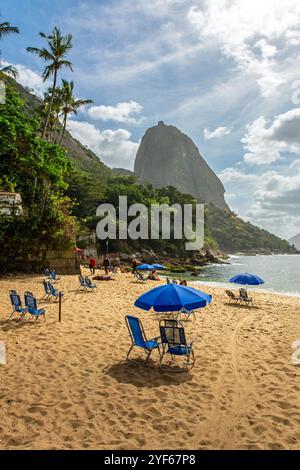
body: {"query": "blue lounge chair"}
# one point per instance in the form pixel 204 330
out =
pixel 50 290
pixel 53 276
pixel 30 302
pixel 46 288
pixel 184 313
pixel 89 284
pixel 17 305
pixel 54 292
pixel 82 282
pixel 138 338
pixel 174 343
pixel 47 273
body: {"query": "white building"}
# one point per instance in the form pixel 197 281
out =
pixel 10 203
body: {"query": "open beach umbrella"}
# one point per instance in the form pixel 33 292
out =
pixel 159 267
pixel 173 298
pixel 247 279
pixel 145 267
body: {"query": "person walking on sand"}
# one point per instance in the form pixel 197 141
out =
pixel 106 265
pixel 92 266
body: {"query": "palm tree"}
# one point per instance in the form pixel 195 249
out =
pixel 56 110
pixel 58 48
pixel 5 30
pixel 69 104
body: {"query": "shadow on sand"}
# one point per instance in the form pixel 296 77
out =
pixel 141 375
pixel 242 306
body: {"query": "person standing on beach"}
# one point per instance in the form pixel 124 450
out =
pixel 134 265
pixel 106 265
pixel 92 266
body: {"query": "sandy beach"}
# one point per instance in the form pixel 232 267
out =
pixel 67 386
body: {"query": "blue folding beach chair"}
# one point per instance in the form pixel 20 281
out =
pixel 31 304
pixel 82 282
pixel 47 272
pixel 138 338
pixel 174 343
pixel 46 288
pixel 53 276
pixel 89 284
pixel 50 290
pixel 54 292
pixel 17 305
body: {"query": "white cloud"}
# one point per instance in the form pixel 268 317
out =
pixel 233 175
pixel 218 133
pixel 252 34
pixel 122 112
pixel 270 200
pixel 114 147
pixel 264 145
pixel 29 79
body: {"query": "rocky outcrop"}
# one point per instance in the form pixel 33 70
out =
pixel 167 157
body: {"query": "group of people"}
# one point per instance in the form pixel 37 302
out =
pixel 93 266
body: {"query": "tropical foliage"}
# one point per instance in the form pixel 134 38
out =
pixel 36 169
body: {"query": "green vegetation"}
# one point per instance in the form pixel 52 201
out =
pixel 36 169
pixel 234 235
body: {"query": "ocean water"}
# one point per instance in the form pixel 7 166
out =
pixel 281 273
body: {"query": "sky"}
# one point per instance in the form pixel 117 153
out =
pixel 225 72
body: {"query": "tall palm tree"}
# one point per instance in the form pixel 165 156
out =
pixel 5 30
pixel 56 110
pixel 58 48
pixel 69 104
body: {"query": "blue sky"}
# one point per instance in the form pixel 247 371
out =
pixel 222 72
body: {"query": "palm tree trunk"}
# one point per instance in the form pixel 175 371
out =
pixel 64 129
pixel 50 104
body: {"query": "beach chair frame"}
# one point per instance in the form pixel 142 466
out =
pixel 33 310
pixel 232 296
pixel 89 284
pixel 245 298
pixel 184 313
pixel 139 277
pixel 174 342
pixel 141 342
pixel 17 305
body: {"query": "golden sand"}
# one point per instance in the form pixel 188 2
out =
pixel 67 385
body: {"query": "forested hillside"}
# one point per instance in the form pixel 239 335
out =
pixel 61 187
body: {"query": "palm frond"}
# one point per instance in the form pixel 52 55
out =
pixel 6 29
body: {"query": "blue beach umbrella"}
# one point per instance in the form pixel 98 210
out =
pixel 173 298
pixel 159 267
pixel 247 279
pixel 145 267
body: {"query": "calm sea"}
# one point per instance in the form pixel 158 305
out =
pixel 281 273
